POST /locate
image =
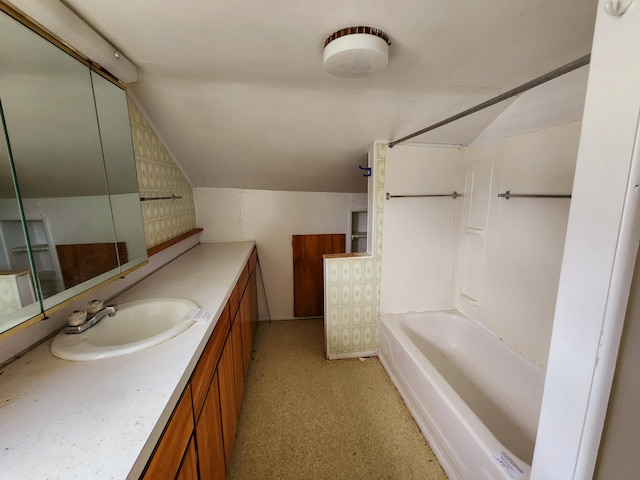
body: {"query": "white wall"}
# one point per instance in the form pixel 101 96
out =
pixel 419 234
pixel 90 222
pixel 271 218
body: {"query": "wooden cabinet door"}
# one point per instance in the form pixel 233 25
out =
pixel 226 378
pixel 209 436
pixel 253 299
pixel 167 458
pixel 246 328
pixel 308 278
pixel 238 368
pixel 201 378
pixel 189 468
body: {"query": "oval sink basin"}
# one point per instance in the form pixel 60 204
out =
pixel 135 326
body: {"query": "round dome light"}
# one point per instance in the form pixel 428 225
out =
pixel 356 52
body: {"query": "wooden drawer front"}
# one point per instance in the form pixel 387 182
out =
pixel 169 452
pixel 189 468
pixel 208 361
pixel 209 436
pixel 253 259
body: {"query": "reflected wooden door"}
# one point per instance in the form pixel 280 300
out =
pixel 308 279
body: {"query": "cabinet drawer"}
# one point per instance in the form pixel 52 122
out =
pixel 203 372
pixel 167 457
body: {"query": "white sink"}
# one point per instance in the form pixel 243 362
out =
pixel 135 326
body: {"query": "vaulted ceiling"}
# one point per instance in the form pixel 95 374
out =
pixel 237 89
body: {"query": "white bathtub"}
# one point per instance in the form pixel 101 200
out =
pixel 476 401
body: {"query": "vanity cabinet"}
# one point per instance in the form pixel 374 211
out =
pixel 198 440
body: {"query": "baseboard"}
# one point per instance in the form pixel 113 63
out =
pixel 342 356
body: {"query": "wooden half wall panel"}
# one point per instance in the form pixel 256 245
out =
pixel 308 278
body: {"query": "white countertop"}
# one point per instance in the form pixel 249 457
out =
pixel 101 419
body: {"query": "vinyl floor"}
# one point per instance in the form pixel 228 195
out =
pixel 305 418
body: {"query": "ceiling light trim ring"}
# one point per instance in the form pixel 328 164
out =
pixel 355 30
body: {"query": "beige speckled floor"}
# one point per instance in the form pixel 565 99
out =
pixel 304 417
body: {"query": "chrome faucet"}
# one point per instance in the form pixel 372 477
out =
pixel 92 319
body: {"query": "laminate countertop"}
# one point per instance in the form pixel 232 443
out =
pixel 102 419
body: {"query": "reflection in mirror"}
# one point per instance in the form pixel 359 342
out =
pixel 51 122
pixel 18 299
pixel 119 160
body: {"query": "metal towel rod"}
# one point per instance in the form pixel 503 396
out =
pixel 149 199
pixel 454 195
pixel 509 195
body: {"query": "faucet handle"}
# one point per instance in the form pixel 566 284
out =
pixel 76 318
pixel 94 306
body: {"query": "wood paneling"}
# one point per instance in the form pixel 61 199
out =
pixel 308 280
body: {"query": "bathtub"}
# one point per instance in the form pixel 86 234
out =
pixel 476 401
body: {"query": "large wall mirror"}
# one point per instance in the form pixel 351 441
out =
pixel 77 220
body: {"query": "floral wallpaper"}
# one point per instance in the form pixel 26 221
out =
pixel 159 176
pixel 352 287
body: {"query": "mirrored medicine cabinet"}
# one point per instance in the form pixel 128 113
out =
pixel 70 216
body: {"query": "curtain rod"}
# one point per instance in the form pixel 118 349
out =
pixel 569 67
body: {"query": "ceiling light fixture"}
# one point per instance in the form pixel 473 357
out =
pixel 356 52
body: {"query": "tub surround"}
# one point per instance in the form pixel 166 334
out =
pixel 102 419
pixel 510 293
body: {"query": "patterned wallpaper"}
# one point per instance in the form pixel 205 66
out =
pixel 159 176
pixel 352 286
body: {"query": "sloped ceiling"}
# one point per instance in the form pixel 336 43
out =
pixel 238 92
